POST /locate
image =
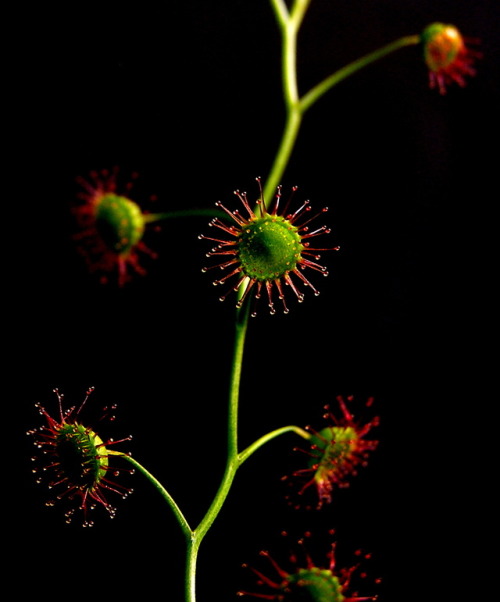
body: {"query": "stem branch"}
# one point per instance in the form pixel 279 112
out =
pixel 289 22
pixel 315 93
pixel 246 453
pixel 186 529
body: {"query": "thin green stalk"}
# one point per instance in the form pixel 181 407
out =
pixel 206 212
pixel 191 562
pixel 232 463
pixel 289 24
pixel 281 11
pixel 315 93
pixel 246 453
pixel 292 127
pixel 186 529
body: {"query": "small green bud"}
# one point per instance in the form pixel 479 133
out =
pixel 111 228
pixel 120 223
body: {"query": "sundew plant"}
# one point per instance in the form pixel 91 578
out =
pixel 223 326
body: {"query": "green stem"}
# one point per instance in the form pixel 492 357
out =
pixel 289 25
pixel 192 559
pixel 233 461
pixel 246 453
pixel 156 217
pixel 315 93
pixel 186 529
pixel 292 127
pixel 281 11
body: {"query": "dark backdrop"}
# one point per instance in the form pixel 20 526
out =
pixel 188 95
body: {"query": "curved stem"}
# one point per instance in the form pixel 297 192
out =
pixel 315 93
pixel 246 453
pixel 281 11
pixel 295 106
pixel 166 495
pixel 289 25
pixel 298 10
pixel 233 461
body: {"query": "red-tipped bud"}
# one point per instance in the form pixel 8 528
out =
pixel 447 56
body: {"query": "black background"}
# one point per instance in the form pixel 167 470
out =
pixel 188 95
